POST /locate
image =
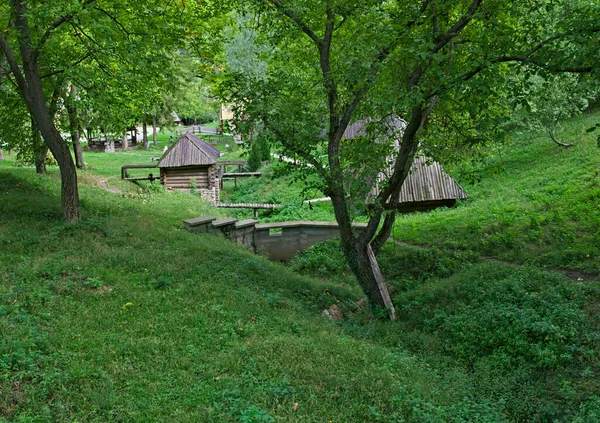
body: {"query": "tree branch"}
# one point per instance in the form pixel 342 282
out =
pixel 54 26
pixel 12 63
pixel 441 41
pixel 119 24
pixel 301 24
pixel 85 56
pixel 306 156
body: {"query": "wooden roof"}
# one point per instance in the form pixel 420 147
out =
pixel 189 150
pixel 427 181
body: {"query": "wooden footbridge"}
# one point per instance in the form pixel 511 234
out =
pixel 255 206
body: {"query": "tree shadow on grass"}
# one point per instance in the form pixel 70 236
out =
pixel 25 195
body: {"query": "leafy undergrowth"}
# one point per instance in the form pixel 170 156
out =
pixel 126 317
pixel 525 340
pixel 542 208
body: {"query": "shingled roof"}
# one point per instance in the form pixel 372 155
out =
pixel 189 150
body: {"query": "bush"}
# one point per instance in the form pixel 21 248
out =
pixel 514 318
pixel 324 260
pixel 254 158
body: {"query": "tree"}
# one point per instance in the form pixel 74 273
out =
pixel 334 63
pixel 544 101
pixel 41 40
pixel 26 72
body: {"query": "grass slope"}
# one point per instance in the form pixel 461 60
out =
pixel 542 208
pixel 126 317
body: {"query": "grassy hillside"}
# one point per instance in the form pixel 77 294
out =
pixel 536 203
pixel 126 317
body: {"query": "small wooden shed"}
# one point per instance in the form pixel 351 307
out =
pixel 190 162
pixel 426 187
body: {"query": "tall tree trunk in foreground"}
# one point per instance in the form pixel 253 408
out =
pixel 74 127
pixel 30 87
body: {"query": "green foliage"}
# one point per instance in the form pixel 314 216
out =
pixel 254 157
pixel 264 141
pixel 324 260
pixel 512 318
pixel 543 103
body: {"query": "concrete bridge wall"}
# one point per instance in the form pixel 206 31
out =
pixel 279 241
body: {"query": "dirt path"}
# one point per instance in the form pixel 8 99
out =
pixel 103 183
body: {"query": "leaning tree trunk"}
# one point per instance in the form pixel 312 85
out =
pixel 38 108
pixel 60 151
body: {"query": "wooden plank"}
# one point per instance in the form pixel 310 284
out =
pixel 248 205
pixel 383 291
pixel 241 174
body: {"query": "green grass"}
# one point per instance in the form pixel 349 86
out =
pixel 127 317
pixel 542 207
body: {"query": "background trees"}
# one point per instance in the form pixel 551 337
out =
pixel 121 47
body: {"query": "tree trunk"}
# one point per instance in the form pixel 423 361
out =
pixel 125 141
pixel 30 87
pixel 74 127
pixel 1 156
pixel 556 141
pixel 40 160
pixel 154 133
pixel 60 151
pixel 40 149
pixel 145 134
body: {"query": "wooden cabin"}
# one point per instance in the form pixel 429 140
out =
pixel 426 187
pixel 189 163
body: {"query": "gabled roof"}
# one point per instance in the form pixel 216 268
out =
pixel 189 150
pixel 427 181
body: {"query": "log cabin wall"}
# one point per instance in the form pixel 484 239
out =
pixel 180 178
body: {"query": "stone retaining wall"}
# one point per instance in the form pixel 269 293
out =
pixel 279 241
